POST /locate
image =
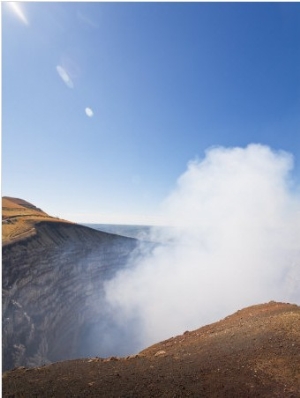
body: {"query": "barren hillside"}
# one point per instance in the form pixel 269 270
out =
pixel 252 353
pixel 19 219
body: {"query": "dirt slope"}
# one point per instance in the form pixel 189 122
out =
pixel 252 353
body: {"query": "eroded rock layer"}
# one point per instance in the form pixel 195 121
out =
pixel 52 292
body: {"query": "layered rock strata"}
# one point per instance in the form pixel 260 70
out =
pixel 52 289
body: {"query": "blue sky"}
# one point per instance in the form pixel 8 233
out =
pixel 104 104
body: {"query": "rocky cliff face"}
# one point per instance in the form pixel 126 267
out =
pixel 52 292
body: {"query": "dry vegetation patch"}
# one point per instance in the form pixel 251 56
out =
pixel 19 219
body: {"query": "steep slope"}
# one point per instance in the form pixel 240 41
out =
pixel 52 278
pixel 252 353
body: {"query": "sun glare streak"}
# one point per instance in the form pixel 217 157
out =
pixel 64 76
pixel 18 12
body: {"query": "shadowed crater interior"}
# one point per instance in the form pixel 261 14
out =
pixel 53 306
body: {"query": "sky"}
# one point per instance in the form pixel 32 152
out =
pixel 104 105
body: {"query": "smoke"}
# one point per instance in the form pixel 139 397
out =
pixel 233 241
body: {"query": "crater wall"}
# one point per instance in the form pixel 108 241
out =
pixel 52 293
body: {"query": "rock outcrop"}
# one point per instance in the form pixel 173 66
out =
pixel 52 285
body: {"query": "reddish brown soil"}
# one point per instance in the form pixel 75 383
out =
pixel 252 353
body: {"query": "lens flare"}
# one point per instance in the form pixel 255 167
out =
pixel 15 7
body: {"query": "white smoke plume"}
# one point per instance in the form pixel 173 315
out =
pixel 234 241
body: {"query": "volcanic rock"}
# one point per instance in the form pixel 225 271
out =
pixel 252 353
pixel 52 284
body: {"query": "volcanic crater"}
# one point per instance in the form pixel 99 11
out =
pixel 52 289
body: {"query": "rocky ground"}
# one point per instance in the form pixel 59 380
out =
pixel 252 353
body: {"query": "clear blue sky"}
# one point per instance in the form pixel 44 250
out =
pixel 104 104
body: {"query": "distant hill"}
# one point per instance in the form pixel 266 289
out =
pixel 16 204
pixel 252 353
pixel 19 218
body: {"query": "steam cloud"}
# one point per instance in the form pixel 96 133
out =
pixel 233 241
